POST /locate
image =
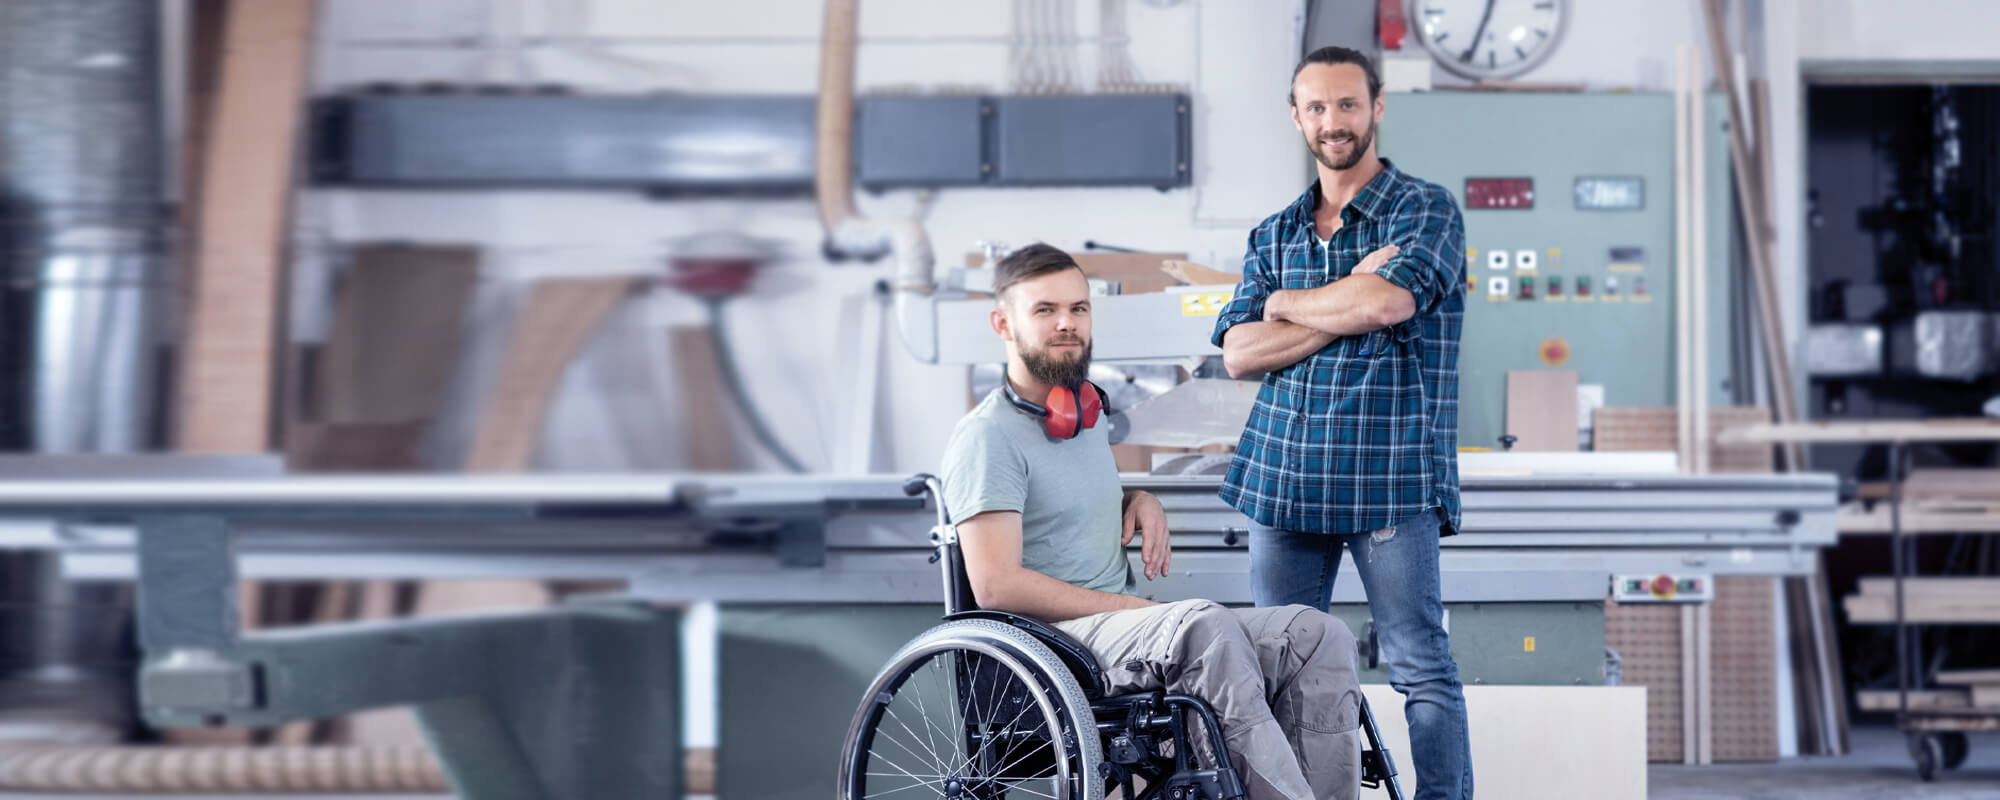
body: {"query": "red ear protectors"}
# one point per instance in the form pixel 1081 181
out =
pixel 1069 411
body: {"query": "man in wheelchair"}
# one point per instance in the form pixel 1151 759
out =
pixel 1042 524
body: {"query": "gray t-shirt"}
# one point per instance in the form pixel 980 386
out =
pixel 1068 492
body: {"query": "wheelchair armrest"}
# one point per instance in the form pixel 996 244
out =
pixel 1072 652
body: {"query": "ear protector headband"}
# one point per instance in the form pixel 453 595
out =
pixel 1069 411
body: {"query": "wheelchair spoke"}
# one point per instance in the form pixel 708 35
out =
pixel 1008 729
pixel 1010 789
pixel 1024 756
pixel 935 758
pixel 925 715
pixel 959 747
pixel 939 783
pixel 940 792
pixel 956 761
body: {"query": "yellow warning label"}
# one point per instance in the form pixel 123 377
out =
pixel 1204 304
pixel 1528 644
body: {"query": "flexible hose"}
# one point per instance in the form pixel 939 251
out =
pixel 733 383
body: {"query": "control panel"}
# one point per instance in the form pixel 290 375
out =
pixel 1663 588
pixel 1587 262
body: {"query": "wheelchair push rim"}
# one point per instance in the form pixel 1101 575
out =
pixel 964 712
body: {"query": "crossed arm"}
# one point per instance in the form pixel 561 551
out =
pixel 1298 322
pixel 991 544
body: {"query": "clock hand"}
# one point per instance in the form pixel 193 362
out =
pixel 1483 19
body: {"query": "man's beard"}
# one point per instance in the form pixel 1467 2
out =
pixel 1359 146
pixel 1045 367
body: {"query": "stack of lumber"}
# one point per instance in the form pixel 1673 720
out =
pixel 1929 600
pixel 1970 688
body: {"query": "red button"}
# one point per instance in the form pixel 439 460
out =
pixel 1663 586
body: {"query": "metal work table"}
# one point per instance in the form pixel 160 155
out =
pixel 746 538
pixel 511 702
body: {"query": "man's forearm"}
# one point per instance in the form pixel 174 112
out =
pixel 1254 347
pixel 1025 591
pixel 1354 305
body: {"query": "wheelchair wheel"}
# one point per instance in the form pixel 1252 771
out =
pixel 977 710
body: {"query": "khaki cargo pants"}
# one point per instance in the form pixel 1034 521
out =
pixel 1281 680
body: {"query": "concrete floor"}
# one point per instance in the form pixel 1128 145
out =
pixel 1878 768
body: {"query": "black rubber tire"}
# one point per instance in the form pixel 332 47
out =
pixel 1955 748
pixel 1927 751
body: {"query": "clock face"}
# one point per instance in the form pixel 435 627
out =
pixel 1489 38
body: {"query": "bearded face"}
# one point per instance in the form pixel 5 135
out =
pixel 1046 322
pixel 1335 108
pixel 1340 149
pixel 1064 361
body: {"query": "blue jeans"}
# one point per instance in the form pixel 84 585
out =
pixel 1399 573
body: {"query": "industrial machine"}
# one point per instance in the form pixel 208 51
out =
pixel 1569 233
pixel 818 579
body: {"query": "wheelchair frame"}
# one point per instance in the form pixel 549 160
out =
pixel 1146 736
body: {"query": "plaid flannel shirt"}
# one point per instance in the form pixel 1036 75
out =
pixel 1364 432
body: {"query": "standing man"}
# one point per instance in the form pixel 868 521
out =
pixel 1043 524
pixel 1351 304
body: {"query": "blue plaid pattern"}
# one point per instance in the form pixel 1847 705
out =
pixel 1364 432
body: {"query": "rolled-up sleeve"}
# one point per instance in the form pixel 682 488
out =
pixel 1247 305
pixel 1431 234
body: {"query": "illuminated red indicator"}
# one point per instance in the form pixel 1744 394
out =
pixel 1499 193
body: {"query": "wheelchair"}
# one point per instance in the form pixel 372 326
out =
pixel 992 705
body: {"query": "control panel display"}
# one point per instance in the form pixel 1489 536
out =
pixel 1610 193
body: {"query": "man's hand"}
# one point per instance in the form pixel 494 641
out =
pixel 1278 307
pixel 1376 260
pixel 1143 512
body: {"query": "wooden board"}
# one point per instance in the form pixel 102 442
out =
pixel 1647 638
pixel 1924 608
pixel 1973 429
pixel 1932 586
pixel 1744 700
pixel 1135 273
pixel 1885 699
pixel 560 318
pixel 1623 428
pixel 227 386
pixel 1968 677
pixel 708 438
pixel 353 447
pixel 1586 741
pixel 394 334
pixel 1541 410
pixel 1194 274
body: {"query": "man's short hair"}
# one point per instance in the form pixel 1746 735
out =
pixel 1033 261
pixel 1337 55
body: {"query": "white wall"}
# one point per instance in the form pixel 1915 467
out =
pixel 1898 30
pixel 1610 44
pixel 795 332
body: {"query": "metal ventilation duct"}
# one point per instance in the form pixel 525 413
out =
pixel 83 221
